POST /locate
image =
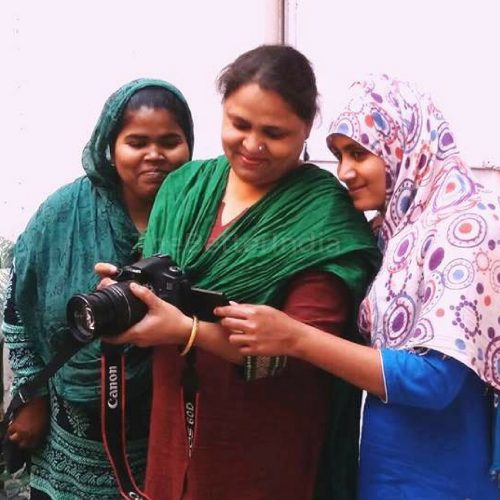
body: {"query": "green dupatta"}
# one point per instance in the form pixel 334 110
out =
pixel 80 224
pixel 306 222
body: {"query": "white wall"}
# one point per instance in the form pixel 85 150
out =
pixel 62 59
pixel 450 48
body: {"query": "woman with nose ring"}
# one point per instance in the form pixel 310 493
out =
pixel 431 425
pixel 261 226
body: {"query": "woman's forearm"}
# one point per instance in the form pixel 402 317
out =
pixel 212 337
pixel 259 330
pixel 360 365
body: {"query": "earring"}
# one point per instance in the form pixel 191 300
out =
pixel 306 153
pixel 109 157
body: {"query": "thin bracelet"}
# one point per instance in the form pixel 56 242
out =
pixel 192 336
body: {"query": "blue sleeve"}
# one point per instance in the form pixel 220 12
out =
pixel 429 381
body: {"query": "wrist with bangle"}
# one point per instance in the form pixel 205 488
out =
pixel 192 336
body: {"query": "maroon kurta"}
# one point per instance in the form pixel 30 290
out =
pixel 257 440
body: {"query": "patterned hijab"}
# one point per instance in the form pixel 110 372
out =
pixel 439 284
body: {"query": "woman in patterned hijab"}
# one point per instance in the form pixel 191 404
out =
pixel 431 315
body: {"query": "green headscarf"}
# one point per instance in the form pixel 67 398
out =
pixel 80 224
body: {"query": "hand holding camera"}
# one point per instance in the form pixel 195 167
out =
pixel 161 316
pixel 162 324
pixel 157 313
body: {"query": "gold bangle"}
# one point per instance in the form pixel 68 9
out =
pixel 192 336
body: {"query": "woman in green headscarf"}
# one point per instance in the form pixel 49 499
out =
pixel 261 226
pixel 145 131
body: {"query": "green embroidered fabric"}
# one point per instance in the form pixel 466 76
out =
pixel 80 224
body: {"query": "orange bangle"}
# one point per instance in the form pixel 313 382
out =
pixel 192 336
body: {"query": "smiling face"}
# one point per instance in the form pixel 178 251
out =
pixel 262 137
pixel 361 171
pixel 149 146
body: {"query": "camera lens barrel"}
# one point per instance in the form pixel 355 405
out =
pixel 104 313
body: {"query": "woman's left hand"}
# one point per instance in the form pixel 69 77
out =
pixel 29 425
pixel 162 324
pixel 106 272
pixel 259 330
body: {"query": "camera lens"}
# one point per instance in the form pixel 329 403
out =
pixel 105 312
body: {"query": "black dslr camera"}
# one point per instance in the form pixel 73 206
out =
pixel 113 309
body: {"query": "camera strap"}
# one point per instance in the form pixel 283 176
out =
pixel 190 397
pixel 113 406
pixel 26 392
pixel 15 457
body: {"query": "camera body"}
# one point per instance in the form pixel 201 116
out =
pixel 162 276
pixel 114 309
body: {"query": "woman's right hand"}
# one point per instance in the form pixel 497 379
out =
pixel 29 426
pixel 259 330
pixel 163 323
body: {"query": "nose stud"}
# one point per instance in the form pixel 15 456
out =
pixel 261 148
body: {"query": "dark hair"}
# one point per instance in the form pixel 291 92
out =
pixel 279 68
pixel 157 98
